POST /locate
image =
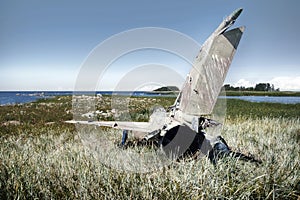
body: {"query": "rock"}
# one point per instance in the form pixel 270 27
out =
pixel 12 122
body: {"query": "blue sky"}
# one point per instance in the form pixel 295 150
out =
pixel 44 43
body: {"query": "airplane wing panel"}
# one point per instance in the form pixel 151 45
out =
pixel 133 126
pixel 205 80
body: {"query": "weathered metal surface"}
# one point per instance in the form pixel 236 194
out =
pixel 136 126
pixel 205 80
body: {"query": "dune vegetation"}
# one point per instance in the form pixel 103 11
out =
pixel 43 157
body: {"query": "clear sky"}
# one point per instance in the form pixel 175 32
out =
pixel 44 43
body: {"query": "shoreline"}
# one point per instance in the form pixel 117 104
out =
pixel 228 93
pixel 19 98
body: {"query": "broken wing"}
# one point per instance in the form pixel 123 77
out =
pixel 133 126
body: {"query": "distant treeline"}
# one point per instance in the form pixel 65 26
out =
pixel 167 88
pixel 267 87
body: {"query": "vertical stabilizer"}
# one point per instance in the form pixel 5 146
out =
pixel 206 78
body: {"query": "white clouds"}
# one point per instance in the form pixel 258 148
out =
pixel 244 83
pixel 284 83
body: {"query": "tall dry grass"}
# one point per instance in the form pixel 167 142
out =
pixel 47 163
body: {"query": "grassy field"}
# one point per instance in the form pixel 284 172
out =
pixel 262 93
pixel 42 157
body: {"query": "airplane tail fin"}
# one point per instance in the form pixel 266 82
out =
pixel 205 80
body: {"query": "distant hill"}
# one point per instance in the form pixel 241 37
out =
pixel 166 88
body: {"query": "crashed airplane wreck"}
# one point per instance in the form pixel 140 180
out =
pixel 183 130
